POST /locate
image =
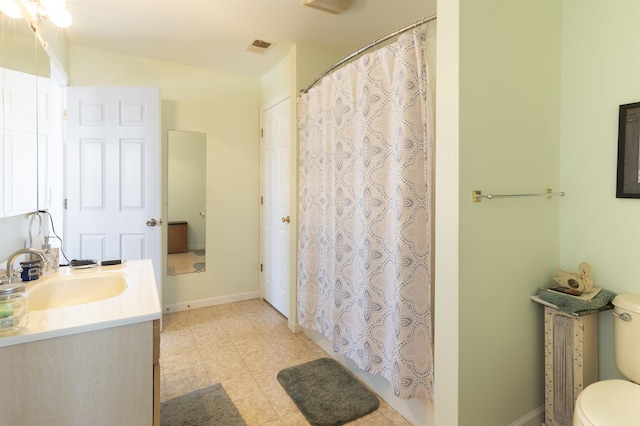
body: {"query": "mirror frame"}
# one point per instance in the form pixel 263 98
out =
pixel 628 173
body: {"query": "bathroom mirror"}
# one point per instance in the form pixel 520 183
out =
pixel 186 202
pixel 24 121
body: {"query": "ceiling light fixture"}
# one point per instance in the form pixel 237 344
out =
pixel 54 10
pixel 332 6
pixel 10 8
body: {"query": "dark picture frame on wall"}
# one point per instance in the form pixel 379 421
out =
pixel 628 182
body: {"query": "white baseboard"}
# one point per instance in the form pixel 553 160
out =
pixel 203 303
pixel 534 418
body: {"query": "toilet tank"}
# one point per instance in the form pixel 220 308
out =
pixel 627 335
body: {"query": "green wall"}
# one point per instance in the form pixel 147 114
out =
pixel 509 121
pixel 540 83
pixel 600 71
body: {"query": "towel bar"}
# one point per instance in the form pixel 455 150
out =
pixel 476 196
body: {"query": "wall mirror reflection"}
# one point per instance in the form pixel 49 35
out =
pixel 186 200
pixel 24 118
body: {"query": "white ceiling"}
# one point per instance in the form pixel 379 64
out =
pixel 214 33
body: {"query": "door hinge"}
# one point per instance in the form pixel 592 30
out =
pixel 261 267
pixel 261 200
pixel 262 133
pixel 65 204
pixel 64 114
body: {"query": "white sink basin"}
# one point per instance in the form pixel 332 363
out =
pixel 58 292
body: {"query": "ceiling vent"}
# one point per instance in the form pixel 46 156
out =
pixel 332 6
pixel 258 46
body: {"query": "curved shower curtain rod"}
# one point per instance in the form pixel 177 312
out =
pixel 367 47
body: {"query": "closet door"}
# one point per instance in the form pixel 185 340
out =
pixel 276 213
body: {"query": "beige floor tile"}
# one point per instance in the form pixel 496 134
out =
pixel 224 370
pixel 201 316
pixel 243 346
pixel 253 342
pixel 227 354
pixel 294 419
pixel 183 381
pixel 236 325
pixel 267 379
pixel 371 420
pixel 280 401
pixel 265 360
pixel 174 321
pixel 395 418
pixel 275 422
pixel 256 409
pixel 241 385
pixel 209 327
pixel 209 343
pixel 178 358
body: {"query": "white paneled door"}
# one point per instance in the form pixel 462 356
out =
pixel 276 220
pixel 113 174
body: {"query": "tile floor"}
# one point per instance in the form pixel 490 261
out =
pixel 242 345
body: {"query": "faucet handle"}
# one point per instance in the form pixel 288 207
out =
pixel 15 274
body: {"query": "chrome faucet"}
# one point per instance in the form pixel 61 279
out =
pixel 15 255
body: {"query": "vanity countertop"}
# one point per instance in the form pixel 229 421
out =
pixel 138 303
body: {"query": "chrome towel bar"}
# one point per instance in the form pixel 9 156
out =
pixel 476 196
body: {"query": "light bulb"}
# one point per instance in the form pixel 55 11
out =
pixel 10 8
pixel 60 18
pixel 53 5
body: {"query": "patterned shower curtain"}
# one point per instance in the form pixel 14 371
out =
pixel 364 245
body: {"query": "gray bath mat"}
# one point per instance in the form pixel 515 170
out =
pixel 204 407
pixel 326 393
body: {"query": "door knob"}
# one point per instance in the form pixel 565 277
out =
pixel 286 219
pixel 153 222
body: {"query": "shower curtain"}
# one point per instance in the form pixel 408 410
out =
pixel 364 241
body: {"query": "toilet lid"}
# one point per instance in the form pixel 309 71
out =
pixel 610 403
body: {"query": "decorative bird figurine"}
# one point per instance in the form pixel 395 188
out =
pixel 580 281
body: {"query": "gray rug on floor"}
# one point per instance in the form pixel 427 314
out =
pixel 326 393
pixel 203 407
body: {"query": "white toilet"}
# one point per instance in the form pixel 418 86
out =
pixel 616 402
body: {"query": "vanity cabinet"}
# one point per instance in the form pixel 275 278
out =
pixel 103 377
pixel 156 372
